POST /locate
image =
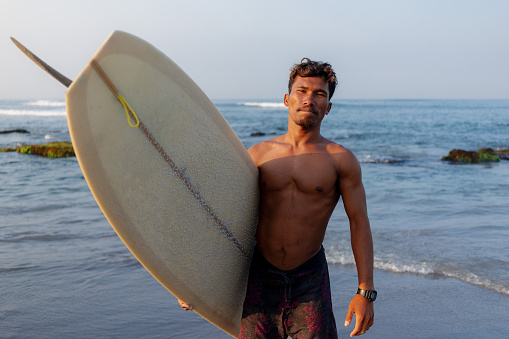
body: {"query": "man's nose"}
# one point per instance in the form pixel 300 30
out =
pixel 308 99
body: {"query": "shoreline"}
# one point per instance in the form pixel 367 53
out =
pixel 416 306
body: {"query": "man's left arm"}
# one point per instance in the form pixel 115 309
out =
pixel 354 200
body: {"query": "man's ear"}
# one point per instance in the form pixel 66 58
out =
pixel 328 108
pixel 286 100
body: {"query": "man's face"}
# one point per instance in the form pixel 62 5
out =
pixel 308 101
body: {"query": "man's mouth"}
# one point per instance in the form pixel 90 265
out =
pixel 308 110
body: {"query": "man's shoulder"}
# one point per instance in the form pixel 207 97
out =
pixel 344 159
pixel 261 149
pixel 264 145
pixel 336 149
pixel 275 142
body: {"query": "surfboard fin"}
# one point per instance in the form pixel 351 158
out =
pixel 54 73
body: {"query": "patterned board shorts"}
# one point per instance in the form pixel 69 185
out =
pixel 295 303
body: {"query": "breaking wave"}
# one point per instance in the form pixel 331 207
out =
pixel 263 104
pixel 45 103
pixel 16 112
pixel 340 257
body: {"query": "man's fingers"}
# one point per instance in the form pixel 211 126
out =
pixel 185 306
pixel 349 316
pixel 358 330
pixel 362 326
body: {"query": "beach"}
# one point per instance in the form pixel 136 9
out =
pixel 440 230
pixel 88 305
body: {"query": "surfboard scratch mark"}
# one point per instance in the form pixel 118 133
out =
pixel 181 175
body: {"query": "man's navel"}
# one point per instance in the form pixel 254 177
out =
pixel 319 188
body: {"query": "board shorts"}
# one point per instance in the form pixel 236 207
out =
pixel 295 303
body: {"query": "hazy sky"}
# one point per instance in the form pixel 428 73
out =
pixel 453 49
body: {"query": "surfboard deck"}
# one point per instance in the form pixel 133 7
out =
pixel 180 189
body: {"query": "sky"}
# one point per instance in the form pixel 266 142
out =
pixel 237 49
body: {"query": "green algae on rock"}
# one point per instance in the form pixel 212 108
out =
pixel 52 150
pixel 471 157
pixel 503 153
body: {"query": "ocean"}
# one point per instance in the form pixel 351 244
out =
pixel 444 227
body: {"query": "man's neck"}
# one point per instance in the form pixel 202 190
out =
pixel 299 136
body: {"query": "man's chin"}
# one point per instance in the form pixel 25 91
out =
pixel 306 124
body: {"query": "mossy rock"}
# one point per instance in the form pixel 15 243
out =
pixel 51 150
pixel 471 157
pixel 503 153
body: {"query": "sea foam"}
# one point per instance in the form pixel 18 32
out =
pixel 16 112
pixel 45 103
pixel 263 104
pixel 335 257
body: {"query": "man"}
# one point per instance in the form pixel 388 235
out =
pixel 302 176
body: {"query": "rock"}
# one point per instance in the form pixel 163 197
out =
pixel 471 157
pixel 7 150
pixel 261 134
pixel 51 150
pixel 503 153
pixel 19 130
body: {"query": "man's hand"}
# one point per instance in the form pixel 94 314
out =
pixel 185 306
pixel 364 315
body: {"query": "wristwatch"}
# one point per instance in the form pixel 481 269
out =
pixel 370 294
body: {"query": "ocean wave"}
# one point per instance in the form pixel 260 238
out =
pixel 340 257
pixel 435 269
pixel 337 257
pixel 16 112
pixel 474 279
pixel 25 237
pixel 380 159
pixel 423 268
pixel 15 269
pixel 263 104
pixel 45 103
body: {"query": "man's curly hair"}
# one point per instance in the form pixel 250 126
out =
pixel 310 68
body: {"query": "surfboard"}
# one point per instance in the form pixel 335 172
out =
pixel 169 174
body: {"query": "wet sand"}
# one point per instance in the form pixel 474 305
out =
pixel 413 306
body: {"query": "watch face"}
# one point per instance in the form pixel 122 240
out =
pixel 373 295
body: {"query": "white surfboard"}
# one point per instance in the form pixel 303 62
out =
pixel 179 189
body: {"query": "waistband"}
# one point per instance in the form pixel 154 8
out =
pixel 315 261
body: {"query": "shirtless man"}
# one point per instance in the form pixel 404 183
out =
pixel 302 176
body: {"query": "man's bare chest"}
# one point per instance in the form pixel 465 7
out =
pixel 308 173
